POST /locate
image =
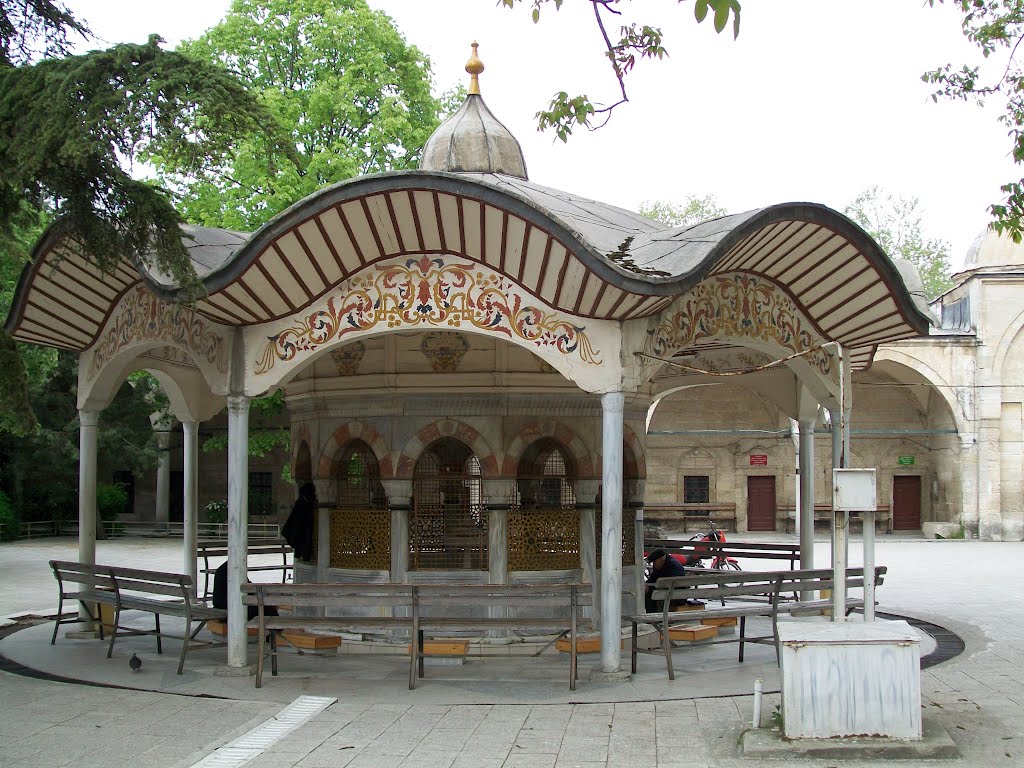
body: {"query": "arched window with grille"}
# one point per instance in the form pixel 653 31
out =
pixel 357 474
pixel 448 523
pixel 303 470
pixel 361 522
pixel 544 530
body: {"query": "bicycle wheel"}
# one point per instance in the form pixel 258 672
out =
pixel 731 565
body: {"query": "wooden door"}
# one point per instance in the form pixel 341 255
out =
pixel 761 503
pixel 906 503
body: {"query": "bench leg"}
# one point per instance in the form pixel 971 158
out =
pixel 113 629
pixel 667 645
pixel 56 620
pixel 632 651
pixel 273 653
pixel 159 645
pixel 259 659
pixel 743 634
pixel 420 658
pixel 184 645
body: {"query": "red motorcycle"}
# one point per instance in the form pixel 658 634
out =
pixel 699 554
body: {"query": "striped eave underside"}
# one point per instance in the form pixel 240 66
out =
pixel 840 290
pixel 311 257
pixel 68 307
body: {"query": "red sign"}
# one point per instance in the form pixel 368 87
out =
pixel 758 460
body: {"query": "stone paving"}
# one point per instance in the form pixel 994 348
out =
pixel 969 587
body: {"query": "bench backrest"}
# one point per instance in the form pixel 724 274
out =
pixel 90 575
pixel 534 598
pixel 219 549
pixel 360 595
pixel 122 580
pixel 152 582
pixel 718 585
pixel 755 549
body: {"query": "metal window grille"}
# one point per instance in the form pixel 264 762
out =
pixel 261 493
pixel 358 478
pixel 696 489
pixel 544 530
pixel 448 524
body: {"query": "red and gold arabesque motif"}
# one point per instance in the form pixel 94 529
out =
pixel 427 291
pixel 738 305
pixel 142 317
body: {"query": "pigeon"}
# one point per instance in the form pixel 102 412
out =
pixel 135 663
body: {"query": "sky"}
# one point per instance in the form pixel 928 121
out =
pixel 816 100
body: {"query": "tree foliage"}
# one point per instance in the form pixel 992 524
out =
pixel 71 122
pixel 636 41
pixel 691 211
pixel 39 471
pixel 996 27
pixel 895 224
pixel 351 93
pixel 31 28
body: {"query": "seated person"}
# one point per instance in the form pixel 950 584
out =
pixel 220 594
pixel 663 565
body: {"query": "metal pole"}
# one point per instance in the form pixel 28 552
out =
pixel 869 565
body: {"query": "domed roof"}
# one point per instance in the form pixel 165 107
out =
pixel 991 249
pixel 473 140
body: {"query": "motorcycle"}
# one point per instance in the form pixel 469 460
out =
pixel 719 562
pixel 696 558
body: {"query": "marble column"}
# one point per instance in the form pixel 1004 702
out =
pixel 805 515
pixel 497 493
pixel 612 405
pixel 87 423
pixel 399 494
pixel 969 484
pixel 163 476
pixel 326 498
pixel 190 460
pixel 238 525
pixel 586 497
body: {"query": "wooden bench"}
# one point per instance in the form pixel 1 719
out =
pixel 756 550
pixel 823 514
pixel 132 589
pixel 419 611
pixel 447 609
pixel 381 607
pixel 740 594
pixel 723 515
pixel 214 550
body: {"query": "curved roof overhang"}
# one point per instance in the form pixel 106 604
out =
pixel 585 258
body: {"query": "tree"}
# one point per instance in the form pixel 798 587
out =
pixel 692 211
pixel 352 94
pixel 70 122
pixel 895 223
pixel 997 28
pixel 567 112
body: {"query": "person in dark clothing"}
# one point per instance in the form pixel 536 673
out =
pixel 220 594
pixel 663 565
pixel 298 529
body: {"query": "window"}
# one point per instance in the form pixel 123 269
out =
pixel 261 493
pixel 696 489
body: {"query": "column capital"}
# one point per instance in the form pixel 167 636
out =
pixel 613 401
pixel 238 402
pixel 88 418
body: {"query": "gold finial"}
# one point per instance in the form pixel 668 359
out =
pixel 474 66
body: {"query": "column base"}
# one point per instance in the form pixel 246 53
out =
pixel 618 676
pixel 247 671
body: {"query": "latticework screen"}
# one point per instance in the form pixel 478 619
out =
pixel 543 522
pixel 543 539
pixel 361 538
pixel 448 523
